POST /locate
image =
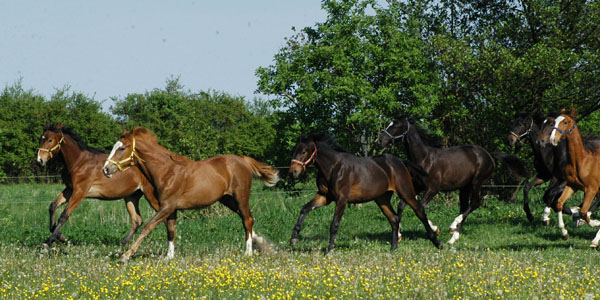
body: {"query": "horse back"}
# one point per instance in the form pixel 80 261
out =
pixel 458 166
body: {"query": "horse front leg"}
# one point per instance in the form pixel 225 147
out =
pixel 160 216
pixel 62 198
pixel 535 182
pixel 132 204
pixel 318 200
pixel 566 194
pixel 550 197
pixel 393 218
pixel 340 206
pixel 74 201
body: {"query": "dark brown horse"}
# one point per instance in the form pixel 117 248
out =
pixel 182 183
pixel 580 169
pixel 345 178
pixel 83 179
pixel 465 168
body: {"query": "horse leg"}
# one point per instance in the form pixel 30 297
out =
pixel 419 210
pixel 427 197
pixel 74 201
pixel 160 216
pixel 464 195
pixel 340 206
pixel 132 204
pixel 551 196
pixel 62 198
pixel 388 211
pixel 317 201
pixel 566 194
pixel 535 182
pixel 401 206
pixel 171 222
pixel 239 203
pixel 475 195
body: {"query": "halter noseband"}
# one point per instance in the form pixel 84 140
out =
pixel 565 132
pixel 304 163
pixel 57 146
pixel 397 136
pixel 525 133
pixel 130 158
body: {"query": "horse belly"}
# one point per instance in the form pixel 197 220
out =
pixel 103 193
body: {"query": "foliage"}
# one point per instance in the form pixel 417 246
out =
pixel 199 125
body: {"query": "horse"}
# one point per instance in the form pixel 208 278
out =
pixel 182 183
pixel 548 162
pixel 580 167
pixel 465 167
pixel 83 179
pixel 345 178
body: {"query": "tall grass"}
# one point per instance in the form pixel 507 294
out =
pixel 500 255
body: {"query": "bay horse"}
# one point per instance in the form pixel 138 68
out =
pixel 83 179
pixel 182 183
pixel 580 169
pixel 465 168
pixel 345 178
pixel 548 162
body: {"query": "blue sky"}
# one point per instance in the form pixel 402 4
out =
pixel 112 48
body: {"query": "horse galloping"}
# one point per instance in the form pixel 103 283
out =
pixel 345 178
pixel 465 168
pixel 83 179
pixel 182 183
pixel 580 168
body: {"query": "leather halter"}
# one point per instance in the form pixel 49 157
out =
pixel 525 133
pixel 304 163
pixel 130 159
pixel 57 146
pixel 402 135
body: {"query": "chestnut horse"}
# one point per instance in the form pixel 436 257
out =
pixel 345 178
pixel 182 183
pixel 580 169
pixel 465 168
pixel 83 179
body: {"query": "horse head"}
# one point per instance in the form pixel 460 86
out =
pixel 50 143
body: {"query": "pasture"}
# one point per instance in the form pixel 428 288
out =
pixel 499 256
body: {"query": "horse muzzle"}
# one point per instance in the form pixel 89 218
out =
pixel 295 171
pixel 109 170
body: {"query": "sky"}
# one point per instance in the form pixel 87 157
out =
pixel 110 48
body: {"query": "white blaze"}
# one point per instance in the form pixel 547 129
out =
pixel 553 134
pixel 117 145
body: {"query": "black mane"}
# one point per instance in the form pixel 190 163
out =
pixel 69 131
pixel 428 138
pixel 322 138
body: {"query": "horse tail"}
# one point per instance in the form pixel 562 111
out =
pixel 268 175
pixel 512 163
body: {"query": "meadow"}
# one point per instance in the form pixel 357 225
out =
pixel 500 255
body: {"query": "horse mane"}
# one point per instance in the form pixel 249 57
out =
pixel 149 136
pixel 78 140
pixel 322 138
pixel 591 142
pixel 429 139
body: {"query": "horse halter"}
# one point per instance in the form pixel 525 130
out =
pixel 565 132
pixel 397 136
pixel 57 146
pixel 303 164
pixel 525 133
pixel 130 159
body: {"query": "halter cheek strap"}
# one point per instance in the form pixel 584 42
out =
pixel 305 163
pixel 57 146
pixel 397 136
pixel 129 159
pixel 525 133
pixel 565 132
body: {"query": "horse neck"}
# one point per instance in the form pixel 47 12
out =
pixel 325 159
pixel 156 161
pixel 532 136
pixel 575 147
pixel 71 152
pixel 416 148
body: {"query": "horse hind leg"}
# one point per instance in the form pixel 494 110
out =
pixel 409 197
pixel 393 218
pixel 239 203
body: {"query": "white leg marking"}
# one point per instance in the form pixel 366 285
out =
pixel 575 211
pixel 454 237
pixel 456 222
pixel 546 215
pixel 594 223
pixel 249 244
pixel 433 227
pixel 171 250
pixel 561 225
pixel 595 241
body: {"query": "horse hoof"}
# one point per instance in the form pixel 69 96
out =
pixel 546 222
pixel 565 237
pixel 399 237
pixel 580 222
pixel 44 246
pixel 62 238
pixel 124 259
pixel 437 231
pixel 293 241
pixel 451 230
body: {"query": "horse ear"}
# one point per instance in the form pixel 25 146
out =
pixel 59 125
pixel 562 111
pixel 573 112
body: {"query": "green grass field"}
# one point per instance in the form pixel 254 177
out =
pixel 499 255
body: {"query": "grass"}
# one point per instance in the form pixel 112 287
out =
pixel 500 255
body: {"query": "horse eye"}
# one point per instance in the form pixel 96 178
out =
pixel 121 149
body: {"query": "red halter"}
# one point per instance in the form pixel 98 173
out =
pixel 303 164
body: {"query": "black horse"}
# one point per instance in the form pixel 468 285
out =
pixel 465 168
pixel 345 178
pixel 549 162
